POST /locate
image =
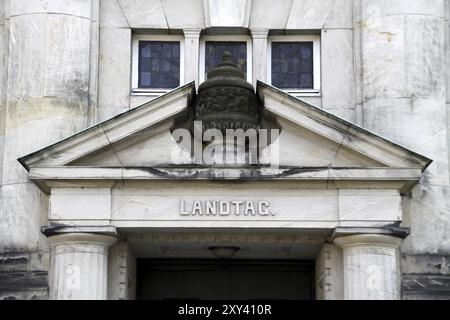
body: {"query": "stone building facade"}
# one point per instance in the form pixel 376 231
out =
pixel 90 196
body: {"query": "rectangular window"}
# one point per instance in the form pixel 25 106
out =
pixel 294 63
pixel 212 48
pixel 215 49
pixel 158 62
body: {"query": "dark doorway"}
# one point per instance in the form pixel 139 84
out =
pixel 225 279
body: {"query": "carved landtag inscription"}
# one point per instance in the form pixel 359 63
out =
pixel 225 208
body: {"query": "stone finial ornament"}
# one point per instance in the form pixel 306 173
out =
pixel 226 100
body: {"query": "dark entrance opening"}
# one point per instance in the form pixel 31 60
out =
pixel 225 279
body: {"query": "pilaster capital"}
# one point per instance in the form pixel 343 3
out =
pixel 259 33
pixel 368 239
pixel 83 239
pixel 192 32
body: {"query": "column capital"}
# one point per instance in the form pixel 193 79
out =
pixel 101 240
pixel 259 33
pixel 63 229
pixel 369 240
pixel 192 32
pixel 371 262
pixel 98 235
pixel 80 269
pixel 393 231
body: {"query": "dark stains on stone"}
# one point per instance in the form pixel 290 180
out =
pixel 13 260
pixel 426 264
pixel 295 171
pixel 245 172
pixel 23 281
pixel 25 295
pixel 53 229
pixel 426 283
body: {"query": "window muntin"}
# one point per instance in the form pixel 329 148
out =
pixel 215 49
pixel 292 65
pixel 293 82
pixel 140 84
pixel 159 64
pixel 239 39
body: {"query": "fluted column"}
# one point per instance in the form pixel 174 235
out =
pixel 259 43
pixel 80 266
pixel 191 54
pixel 371 266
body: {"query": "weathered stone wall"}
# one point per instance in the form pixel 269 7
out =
pixel 121 273
pixel 65 64
pixel 3 62
pixel 403 97
pixel 333 18
pixel 329 273
pixel 47 99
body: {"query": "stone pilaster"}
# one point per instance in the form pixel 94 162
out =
pixel 259 43
pixel 329 283
pixel 80 266
pixel 371 266
pixel 191 54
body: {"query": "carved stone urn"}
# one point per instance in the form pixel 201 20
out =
pixel 226 100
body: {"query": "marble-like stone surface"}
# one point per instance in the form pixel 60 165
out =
pixel 425 76
pixel 341 15
pixel 112 15
pixel 47 98
pixel 144 13
pixel 114 72
pixel 329 273
pixel 121 272
pixel 21 220
pixel 389 74
pixel 81 266
pixel 357 204
pixel 184 14
pixel 86 203
pixel 310 14
pixel 3 80
pixel 275 18
pixel 404 84
pixel 191 54
pixel 223 13
pixel 301 147
pixel 371 267
pixel 338 85
pixel 259 56
pixel 80 8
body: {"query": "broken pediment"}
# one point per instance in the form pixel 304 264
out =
pixel 311 144
pixel 296 147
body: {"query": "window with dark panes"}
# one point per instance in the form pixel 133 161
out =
pixel 215 49
pixel 292 65
pixel 159 64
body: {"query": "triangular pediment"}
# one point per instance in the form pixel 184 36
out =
pixel 310 139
